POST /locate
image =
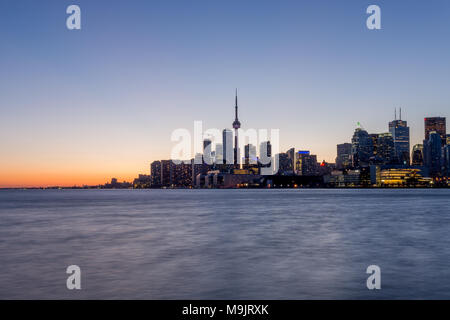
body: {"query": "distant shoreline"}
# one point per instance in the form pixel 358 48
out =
pixel 277 188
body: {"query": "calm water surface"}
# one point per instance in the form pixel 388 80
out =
pixel 225 244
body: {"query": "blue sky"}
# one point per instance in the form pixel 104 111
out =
pixel 106 98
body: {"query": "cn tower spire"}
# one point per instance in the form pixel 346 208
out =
pixel 236 106
pixel 236 123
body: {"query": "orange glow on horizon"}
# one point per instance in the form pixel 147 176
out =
pixel 21 180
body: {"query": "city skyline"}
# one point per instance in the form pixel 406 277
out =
pixel 387 154
pixel 80 107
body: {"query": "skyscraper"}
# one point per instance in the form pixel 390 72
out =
pixel 417 155
pixel 206 144
pixel 284 164
pixel 219 153
pixel 250 156
pixel 436 124
pixel 291 156
pixel 386 152
pixel 167 173
pixel 155 173
pixel 446 153
pixel 227 137
pixel 207 152
pixel 344 155
pixel 400 133
pixel 362 148
pixel 305 163
pixel 432 152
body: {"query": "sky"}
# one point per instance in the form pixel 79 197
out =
pixel 82 106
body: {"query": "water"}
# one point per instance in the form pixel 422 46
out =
pixel 225 244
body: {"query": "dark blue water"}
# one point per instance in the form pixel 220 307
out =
pixel 225 244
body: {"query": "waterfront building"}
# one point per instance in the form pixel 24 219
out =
pixel 348 178
pixel 167 173
pixel 182 175
pixel 401 177
pixel 305 163
pixel 143 181
pixel 155 173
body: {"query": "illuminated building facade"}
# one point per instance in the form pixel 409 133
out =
pixel 436 124
pixel 305 163
pixel 155 173
pixel 362 148
pixel 417 155
pixel 401 177
pixel 344 156
pixel 432 152
pixel 400 133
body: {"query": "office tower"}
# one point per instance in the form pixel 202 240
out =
pixel 167 173
pixel 155 173
pixel 219 153
pixel 400 133
pixel 446 153
pixel 432 152
pixel 265 153
pixel 207 158
pixel 198 167
pixel 417 155
pixel 374 138
pixel 362 148
pixel 438 125
pixel 291 156
pixel 206 144
pixel 227 137
pixel 236 126
pixel 250 159
pixel 305 163
pixel 344 156
pixel 285 166
pixel 386 152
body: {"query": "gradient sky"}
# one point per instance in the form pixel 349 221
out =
pixel 80 107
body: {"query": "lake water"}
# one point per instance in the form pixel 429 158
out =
pixel 225 244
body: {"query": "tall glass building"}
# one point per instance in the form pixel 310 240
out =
pixel 432 151
pixel 386 151
pixel 400 133
pixel 362 148
pixel 227 143
pixel 438 125
pixel 417 155
pixel 344 155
